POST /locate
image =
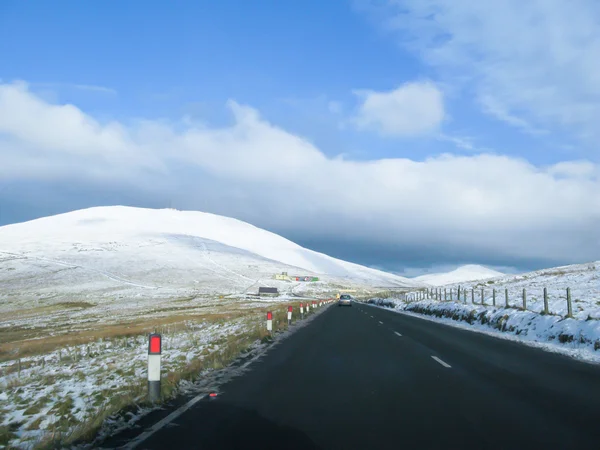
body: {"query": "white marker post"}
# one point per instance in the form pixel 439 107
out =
pixel 269 321
pixel 154 352
pixel 290 309
pixel 301 310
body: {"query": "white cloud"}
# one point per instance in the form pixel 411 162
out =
pixel 492 204
pixel 533 64
pixel 411 109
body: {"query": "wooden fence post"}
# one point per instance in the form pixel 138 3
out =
pixel 506 298
pixel 472 295
pixel 569 305
pixel 546 309
pixel 524 300
pixel 494 296
pixel 482 298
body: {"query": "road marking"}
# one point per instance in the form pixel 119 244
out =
pixel 441 362
pixel 160 424
pixel 372 317
pixel 398 333
pixel 381 322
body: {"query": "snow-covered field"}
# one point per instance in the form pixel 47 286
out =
pixel 70 386
pixel 80 291
pixel 64 390
pixel 83 271
pixel 582 279
pixel 581 333
pixel 123 253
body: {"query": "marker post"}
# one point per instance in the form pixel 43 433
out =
pixel 154 352
pixel 290 308
pixel 269 321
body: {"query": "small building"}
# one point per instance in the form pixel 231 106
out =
pixel 282 276
pixel 268 291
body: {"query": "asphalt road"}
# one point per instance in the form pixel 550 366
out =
pixel 365 378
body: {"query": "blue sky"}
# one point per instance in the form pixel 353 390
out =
pixel 287 59
pixel 364 82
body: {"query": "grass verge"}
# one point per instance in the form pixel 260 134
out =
pixel 65 432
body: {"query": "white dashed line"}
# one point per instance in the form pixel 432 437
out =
pixel 381 322
pixel 397 333
pixel 441 362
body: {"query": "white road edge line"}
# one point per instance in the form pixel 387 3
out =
pixel 171 417
pixel 161 423
pixel 398 333
pixel 441 362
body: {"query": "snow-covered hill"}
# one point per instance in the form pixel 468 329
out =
pixel 470 272
pixel 581 333
pixel 122 251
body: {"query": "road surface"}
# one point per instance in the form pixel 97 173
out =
pixel 361 377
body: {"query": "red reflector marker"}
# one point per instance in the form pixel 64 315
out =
pixel 212 394
pixel 290 308
pixel 155 344
pixel 269 315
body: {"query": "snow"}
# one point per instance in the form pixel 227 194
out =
pixel 84 374
pixel 122 252
pixel 469 272
pixel 84 273
pixel 583 280
pixel 579 335
pixel 80 380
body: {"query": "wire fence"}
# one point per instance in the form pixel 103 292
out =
pixel 481 297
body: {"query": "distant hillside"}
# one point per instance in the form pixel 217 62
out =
pixel 469 272
pixel 123 252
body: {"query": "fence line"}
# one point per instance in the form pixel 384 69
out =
pixel 448 296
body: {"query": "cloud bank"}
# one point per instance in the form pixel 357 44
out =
pixel 482 204
pixel 533 65
pixel 409 110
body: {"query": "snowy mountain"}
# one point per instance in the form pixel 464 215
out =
pixel 470 272
pixel 122 251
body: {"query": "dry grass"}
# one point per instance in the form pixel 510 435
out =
pixel 6 434
pixel 44 310
pixel 18 342
pixel 67 431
